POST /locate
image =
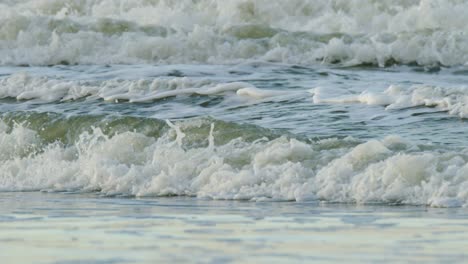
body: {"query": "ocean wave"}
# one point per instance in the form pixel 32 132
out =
pixel 352 32
pixel 135 163
pixel 23 86
pixel 454 100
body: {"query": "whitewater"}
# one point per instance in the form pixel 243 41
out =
pixel 283 130
pixel 47 32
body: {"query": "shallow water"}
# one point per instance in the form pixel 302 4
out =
pixel 70 228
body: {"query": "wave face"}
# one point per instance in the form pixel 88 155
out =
pixel 349 32
pixel 219 160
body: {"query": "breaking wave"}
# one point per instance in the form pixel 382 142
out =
pixel 207 158
pixel 349 32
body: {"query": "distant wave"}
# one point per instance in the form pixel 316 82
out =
pixel 348 32
pixel 454 100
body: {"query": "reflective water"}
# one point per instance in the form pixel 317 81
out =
pixel 73 228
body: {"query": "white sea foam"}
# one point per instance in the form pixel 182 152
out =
pixel 454 100
pixel 43 32
pixel 378 171
pixel 260 93
pixel 23 86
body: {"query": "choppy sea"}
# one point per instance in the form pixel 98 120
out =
pixel 233 131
